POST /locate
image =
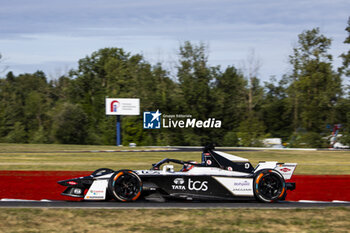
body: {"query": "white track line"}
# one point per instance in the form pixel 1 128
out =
pixel 9 199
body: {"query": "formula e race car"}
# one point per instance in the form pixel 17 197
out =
pixel 219 176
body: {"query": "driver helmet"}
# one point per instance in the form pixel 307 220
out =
pixel 188 166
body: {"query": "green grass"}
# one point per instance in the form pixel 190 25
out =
pixel 52 157
pixel 175 220
pixel 44 148
pixel 309 162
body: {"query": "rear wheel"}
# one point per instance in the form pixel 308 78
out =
pixel 125 185
pixel 284 196
pixel 269 186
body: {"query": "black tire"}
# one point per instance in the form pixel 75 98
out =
pixel 101 171
pixel 284 196
pixel 125 185
pixel 269 186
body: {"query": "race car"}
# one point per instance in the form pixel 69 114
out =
pixel 220 177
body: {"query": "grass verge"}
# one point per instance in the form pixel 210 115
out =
pixel 45 157
pixel 14 147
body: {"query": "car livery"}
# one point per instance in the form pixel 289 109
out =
pixel 219 176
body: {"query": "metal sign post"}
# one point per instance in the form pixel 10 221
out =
pixel 118 139
pixel 121 106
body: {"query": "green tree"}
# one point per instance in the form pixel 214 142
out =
pixel 277 119
pixel 114 73
pixel 17 134
pixel 24 99
pixel 343 107
pixel 70 124
pixel 40 136
pixel 107 72
pixel 314 86
pixel 346 56
pixel 251 131
pixel 229 93
pixel 230 139
pixel 252 65
pixel 345 139
pixel 195 77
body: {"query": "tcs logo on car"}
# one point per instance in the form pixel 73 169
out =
pixel 192 185
pixel 197 185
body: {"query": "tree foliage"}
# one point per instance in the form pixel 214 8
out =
pixel 297 108
pixel 346 55
pixel 314 87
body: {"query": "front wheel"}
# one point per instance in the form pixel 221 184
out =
pixel 269 186
pixel 125 185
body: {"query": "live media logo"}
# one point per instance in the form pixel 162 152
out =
pixel 151 120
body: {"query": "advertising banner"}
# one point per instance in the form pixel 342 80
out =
pixel 122 106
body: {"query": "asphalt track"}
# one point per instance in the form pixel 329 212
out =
pixel 168 205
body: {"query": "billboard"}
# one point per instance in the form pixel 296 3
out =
pixel 122 106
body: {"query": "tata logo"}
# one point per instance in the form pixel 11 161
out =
pixel 114 106
pixel 151 120
pixel 178 184
pixel 197 185
pixel 179 181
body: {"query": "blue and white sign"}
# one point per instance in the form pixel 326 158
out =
pixel 151 120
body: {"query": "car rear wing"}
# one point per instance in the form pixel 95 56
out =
pixel 286 169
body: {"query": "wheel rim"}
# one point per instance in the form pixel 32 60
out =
pixel 270 186
pixel 126 186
